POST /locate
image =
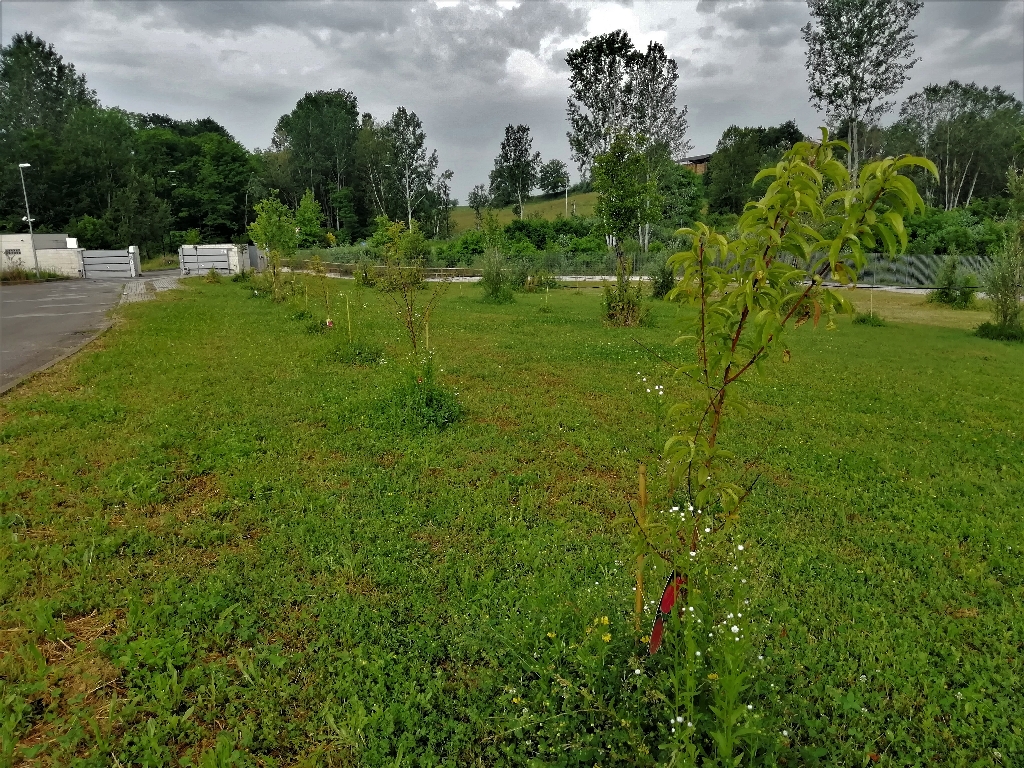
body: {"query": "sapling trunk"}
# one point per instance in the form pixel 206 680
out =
pixel 348 314
pixel 642 520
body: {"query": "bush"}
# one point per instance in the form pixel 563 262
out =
pixel 623 303
pixel 242 277
pixel 213 276
pixel 317 327
pixel 955 288
pixel 420 402
pixel 1004 285
pixel 496 281
pixel 365 274
pixel 1000 332
pixel 663 281
pixel 869 318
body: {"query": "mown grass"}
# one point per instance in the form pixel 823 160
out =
pixel 164 261
pixel 218 548
pixel 545 206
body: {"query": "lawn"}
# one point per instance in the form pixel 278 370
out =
pixel 220 548
pixel 547 207
pixel 166 261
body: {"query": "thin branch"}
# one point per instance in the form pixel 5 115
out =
pixel 643 532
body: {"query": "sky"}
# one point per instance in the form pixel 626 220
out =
pixel 468 68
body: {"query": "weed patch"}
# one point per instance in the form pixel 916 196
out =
pixel 869 318
pixel 420 402
pixel 358 353
pixel 1000 332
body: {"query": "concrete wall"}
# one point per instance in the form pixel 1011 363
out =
pixel 21 250
pixel 63 261
pixel 16 251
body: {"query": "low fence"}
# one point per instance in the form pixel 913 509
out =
pixel 916 270
pixel 908 270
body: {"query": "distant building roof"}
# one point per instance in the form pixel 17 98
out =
pixel 696 159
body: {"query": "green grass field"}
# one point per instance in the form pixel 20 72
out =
pixel 547 208
pixel 219 549
pixel 166 261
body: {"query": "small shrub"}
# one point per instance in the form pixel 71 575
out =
pixel 213 276
pixel 623 303
pixel 1000 332
pixel 545 307
pixel 317 327
pixel 869 318
pixel 1004 285
pixel 302 314
pixel 358 353
pixel 242 277
pixel 662 281
pixel 538 280
pixel 496 281
pixel 421 402
pixel 955 288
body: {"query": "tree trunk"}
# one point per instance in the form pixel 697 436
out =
pixel 963 178
pixel 408 198
pixel 973 182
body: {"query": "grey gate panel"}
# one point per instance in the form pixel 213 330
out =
pixel 108 264
pixel 199 260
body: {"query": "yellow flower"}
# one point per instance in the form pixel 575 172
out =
pixel 645 639
pixel 604 620
pixel 712 676
pixel 517 700
pixel 551 634
pixel 606 637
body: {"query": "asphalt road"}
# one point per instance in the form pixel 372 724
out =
pixel 40 322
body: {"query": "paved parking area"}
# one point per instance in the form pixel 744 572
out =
pixel 41 322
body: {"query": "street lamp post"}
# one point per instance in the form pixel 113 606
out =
pixel 28 215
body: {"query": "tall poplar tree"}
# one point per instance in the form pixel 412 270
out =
pixel 413 167
pixel 859 52
pixel 614 88
pixel 516 166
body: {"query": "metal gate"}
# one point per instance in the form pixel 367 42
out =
pixel 110 263
pixel 200 259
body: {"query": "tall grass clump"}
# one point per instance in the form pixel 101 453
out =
pixel 496 280
pixel 421 402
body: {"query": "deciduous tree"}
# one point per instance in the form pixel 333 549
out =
pixel 617 89
pixel 413 166
pixel 479 199
pixel 968 131
pixel 516 166
pixel 320 134
pixel 859 52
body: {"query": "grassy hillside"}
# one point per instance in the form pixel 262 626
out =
pixel 547 207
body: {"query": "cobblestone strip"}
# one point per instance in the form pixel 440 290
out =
pixel 143 290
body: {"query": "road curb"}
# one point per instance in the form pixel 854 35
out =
pixel 5 388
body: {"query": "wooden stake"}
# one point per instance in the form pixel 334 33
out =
pixel 642 518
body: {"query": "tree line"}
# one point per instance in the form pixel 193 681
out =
pixel 113 177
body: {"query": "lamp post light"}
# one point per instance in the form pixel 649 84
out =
pixel 28 216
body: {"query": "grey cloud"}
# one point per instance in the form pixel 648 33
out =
pixel 245 62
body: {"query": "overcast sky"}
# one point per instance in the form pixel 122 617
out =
pixel 470 68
